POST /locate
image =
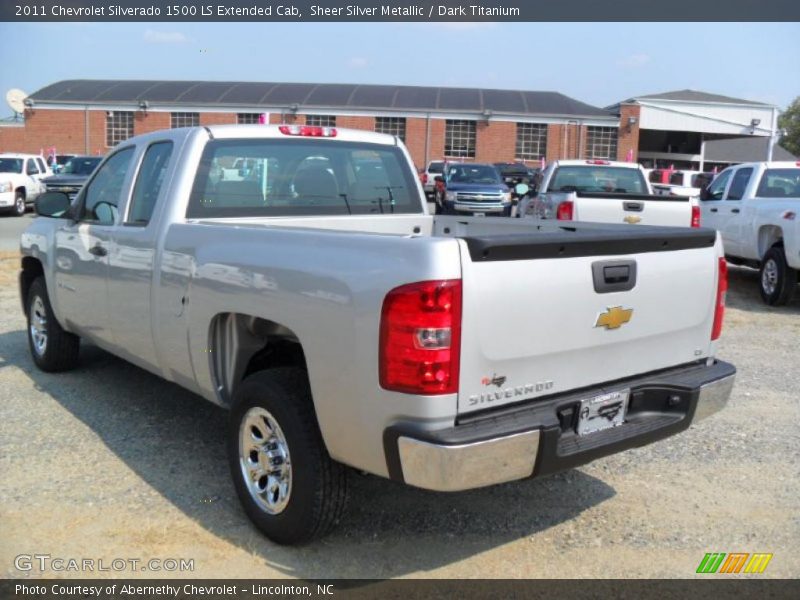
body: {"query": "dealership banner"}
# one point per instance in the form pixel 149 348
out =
pixel 394 10
pixel 405 589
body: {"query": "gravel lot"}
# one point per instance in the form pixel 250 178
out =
pixel 110 462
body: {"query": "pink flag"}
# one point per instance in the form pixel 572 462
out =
pixel 714 171
pixel 629 156
pixel 262 119
pixel 542 164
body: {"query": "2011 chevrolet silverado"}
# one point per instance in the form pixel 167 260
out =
pixel 341 324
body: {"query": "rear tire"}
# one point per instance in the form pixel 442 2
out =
pixel 778 280
pixel 52 348
pixel 287 483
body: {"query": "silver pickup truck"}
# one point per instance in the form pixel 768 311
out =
pixel 342 325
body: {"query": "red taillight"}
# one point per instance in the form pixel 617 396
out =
pixel 719 308
pixel 307 130
pixel 564 211
pixel 424 178
pixel 598 162
pixel 695 216
pixel 420 338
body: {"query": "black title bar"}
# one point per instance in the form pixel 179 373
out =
pixel 394 10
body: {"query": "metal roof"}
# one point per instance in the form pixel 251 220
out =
pixel 316 96
pixel 742 150
pixel 693 96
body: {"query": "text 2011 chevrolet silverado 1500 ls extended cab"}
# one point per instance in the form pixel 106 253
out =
pixel 756 208
pixel 343 325
pixel 603 191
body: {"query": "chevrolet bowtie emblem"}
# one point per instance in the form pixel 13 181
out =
pixel 614 318
pixel 632 219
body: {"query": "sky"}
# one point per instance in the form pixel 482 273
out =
pixel 596 63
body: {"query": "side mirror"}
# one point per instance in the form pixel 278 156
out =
pixel 521 189
pixel 439 179
pixel 52 204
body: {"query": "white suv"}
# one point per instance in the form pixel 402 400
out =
pixel 21 181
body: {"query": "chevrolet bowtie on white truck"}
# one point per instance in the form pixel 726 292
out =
pixel 756 208
pixel 603 191
pixel 341 324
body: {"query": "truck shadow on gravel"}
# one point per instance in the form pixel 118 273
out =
pixel 743 293
pixel 174 441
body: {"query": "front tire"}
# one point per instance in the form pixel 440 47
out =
pixel 778 280
pixel 52 348
pixel 19 204
pixel 287 483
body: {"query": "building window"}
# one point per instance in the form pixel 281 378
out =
pixel 601 142
pixel 531 141
pixel 321 120
pixel 182 119
pixel 391 125
pixel 119 127
pixel 459 138
pixel 248 118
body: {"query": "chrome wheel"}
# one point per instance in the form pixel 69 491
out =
pixel 264 460
pixel 38 326
pixel 769 277
pixel 19 205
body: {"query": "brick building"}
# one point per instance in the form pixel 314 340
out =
pixel 91 116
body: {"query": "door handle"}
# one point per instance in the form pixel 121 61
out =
pixel 98 250
pixel 735 211
pixel 713 210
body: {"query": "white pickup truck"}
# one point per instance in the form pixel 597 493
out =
pixel 21 182
pixel 342 324
pixel 756 208
pixel 604 191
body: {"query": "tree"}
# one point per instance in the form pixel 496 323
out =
pixel 789 122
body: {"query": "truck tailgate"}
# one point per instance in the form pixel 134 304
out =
pixel 534 324
pixel 674 211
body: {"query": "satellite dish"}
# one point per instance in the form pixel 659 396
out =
pixel 16 100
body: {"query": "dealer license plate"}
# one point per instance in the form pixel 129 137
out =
pixel 602 412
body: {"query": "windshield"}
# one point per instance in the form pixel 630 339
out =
pixel 81 165
pixel 581 178
pixel 473 174
pixel 779 183
pixel 10 165
pixel 294 177
pixel 436 167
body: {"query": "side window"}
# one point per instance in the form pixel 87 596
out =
pixel 41 164
pixel 31 168
pixel 717 187
pixel 102 194
pixel 739 184
pixel 148 183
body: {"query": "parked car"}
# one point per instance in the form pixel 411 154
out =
pixel 74 174
pixel 756 209
pixel 341 324
pixel 428 176
pixel 21 181
pixel 515 172
pixel 605 191
pixel 472 189
pixel 679 183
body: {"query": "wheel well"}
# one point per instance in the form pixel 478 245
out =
pixel 243 344
pixel 31 269
pixel 21 189
pixel 769 236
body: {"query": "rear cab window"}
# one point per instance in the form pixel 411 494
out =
pixel 581 178
pixel 297 177
pixel 739 183
pixel 148 183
